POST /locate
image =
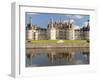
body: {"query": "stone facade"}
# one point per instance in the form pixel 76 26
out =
pixel 60 30
pixel 57 31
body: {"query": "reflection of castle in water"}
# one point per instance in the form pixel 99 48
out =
pixel 59 57
pixel 56 57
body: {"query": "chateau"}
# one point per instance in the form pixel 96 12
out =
pixel 57 31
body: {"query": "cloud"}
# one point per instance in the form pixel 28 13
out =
pixel 65 21
pixel 71 21
pixel 76 27
pixel 75 16
pixel 78 16
pixel 31 13
pixel 85 24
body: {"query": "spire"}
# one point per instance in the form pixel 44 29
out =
pixel 51 23
pixel 60 20
pixel 69 23
pixel 51 20
pixel 88 24
pixel 30 21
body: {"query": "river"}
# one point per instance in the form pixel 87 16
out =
pixel 56 56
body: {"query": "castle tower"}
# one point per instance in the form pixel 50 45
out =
pixel 70 33
pixel 29 30
pixel 51 30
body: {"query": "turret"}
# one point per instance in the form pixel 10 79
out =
pixel 29 30
pixel 50 23
pixel 70 33
pixel 51 30
pixel 88 24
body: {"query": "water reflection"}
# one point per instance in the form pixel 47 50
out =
pixel 56 56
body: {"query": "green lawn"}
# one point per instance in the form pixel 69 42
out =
pixel 44 41
pixel 55 41
pixel 75 41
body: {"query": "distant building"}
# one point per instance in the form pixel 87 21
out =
pixel 57 31
pixel 83 33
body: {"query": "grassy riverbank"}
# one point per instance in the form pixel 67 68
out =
pixel 56 41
